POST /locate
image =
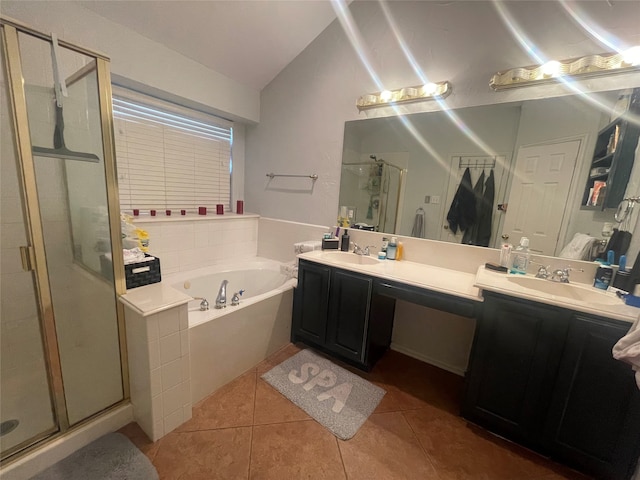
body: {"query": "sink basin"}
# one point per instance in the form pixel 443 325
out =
pixel 569 291
pixel 351 258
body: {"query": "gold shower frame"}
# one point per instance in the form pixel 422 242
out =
pixel 34 255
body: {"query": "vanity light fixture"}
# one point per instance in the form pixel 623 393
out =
pixel 588 66
pixel 418 93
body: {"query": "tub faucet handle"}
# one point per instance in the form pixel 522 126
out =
pixel 235 300
pixel 204 305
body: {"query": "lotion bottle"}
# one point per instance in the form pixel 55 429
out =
pixel 392 248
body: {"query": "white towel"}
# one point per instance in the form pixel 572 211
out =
pixel 132 255
pixel 579 248
pixel 628 349
pixel 418 224
pixel 308 246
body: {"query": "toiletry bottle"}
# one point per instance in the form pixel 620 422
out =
pixel 385 243
pixel 344 243
pixel 505 254
pixel 521 257
pixel 392 248
pixel 399 251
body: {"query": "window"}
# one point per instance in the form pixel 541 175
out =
pixel 170 157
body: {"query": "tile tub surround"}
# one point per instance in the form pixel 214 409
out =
pixel 159 368
pixel 248 430
pixel 276 237
pixel 189 242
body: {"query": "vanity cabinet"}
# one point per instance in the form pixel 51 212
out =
pixel 311 303
pixel 517 346
pixel 337 311
pixel 594 417
pixel 544 377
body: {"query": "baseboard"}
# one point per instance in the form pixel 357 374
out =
pixel 36 461
pixel 424 358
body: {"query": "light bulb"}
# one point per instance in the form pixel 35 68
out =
pixel 429 88
pixel 386 95
pixel 632 56
pixel 551 69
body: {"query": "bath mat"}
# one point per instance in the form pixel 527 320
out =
pixel 339 400
pixel 111 457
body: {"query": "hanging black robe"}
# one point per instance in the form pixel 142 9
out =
pixel 486 212
pixel 462 212
pixel 470 236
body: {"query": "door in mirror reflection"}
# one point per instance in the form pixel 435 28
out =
pixel 539 194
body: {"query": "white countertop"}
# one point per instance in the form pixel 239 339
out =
pixel 443 280
pixel 600 302
pixel 578 297
pixel 153 298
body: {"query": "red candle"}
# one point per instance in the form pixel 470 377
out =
pixel 183 212
pixel 168 213
pixel 136 212
pixel 240 207
pixel 220 209
pixel 202 210
pixel 153 213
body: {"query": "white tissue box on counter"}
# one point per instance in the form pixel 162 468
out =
pixel 308 246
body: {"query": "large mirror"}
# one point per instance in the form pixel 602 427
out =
pixel 401 174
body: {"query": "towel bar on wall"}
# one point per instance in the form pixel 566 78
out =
pixel 313 176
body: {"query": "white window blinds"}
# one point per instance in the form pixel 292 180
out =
pixel 170 157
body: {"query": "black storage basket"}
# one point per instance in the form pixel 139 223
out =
pixel 136 274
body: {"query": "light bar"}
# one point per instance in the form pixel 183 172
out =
pixel 553 71
pixel 430 91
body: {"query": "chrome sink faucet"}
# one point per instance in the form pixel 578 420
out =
pixel 543 270
pixel 358 250
pixel 221 299
pixel 561 275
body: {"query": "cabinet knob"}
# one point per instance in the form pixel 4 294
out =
pixel 505 236
pixel 445 226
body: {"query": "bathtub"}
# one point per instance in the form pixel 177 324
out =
pixel 224 343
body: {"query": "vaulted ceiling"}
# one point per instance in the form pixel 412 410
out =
pixel 249 41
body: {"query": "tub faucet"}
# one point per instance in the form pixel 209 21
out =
pixel 221 299
pixel 204 305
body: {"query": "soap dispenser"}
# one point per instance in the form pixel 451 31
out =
pixel 344 243
pixel 521 257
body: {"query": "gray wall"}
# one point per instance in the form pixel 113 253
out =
pixel 304 108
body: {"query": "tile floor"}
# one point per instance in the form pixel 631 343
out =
pixel 248 430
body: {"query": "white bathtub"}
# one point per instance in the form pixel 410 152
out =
pixel 225 343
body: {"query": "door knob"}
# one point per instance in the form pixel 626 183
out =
pixel 505 236
pixel 446 227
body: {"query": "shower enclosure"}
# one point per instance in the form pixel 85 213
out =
pixel 61 329
pixel 374 188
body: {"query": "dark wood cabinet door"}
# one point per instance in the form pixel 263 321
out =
pixel 348 314
pixel 311 303
pixel 594 419
pixel 514 361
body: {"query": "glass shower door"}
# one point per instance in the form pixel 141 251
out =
pixel 26 409
pixel 66 135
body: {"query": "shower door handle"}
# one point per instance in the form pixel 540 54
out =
pixel 26 255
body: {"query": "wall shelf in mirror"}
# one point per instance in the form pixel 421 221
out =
pixel 613 159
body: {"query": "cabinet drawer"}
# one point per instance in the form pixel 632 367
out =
pixel 426 298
